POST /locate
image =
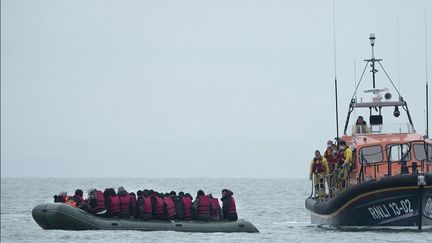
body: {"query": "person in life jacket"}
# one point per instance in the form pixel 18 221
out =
pixel 178 205
pixel 319 169
pixel 202 206
pixel 144 205
pixel 229 210
pixel 329 149
pixel 71 201
pixel 347 153
pixel 335 161
pixel 157 205
pixel 187 206
pixel 125 201
pixel 95 202
pixel 112 203
pixel 78 197
pixel 318 165
pixel 215 208
pixel 139 202
pixel 169 207
pixel 61 197
pixel 347 165
pixel 132 206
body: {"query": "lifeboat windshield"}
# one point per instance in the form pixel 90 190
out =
pixel 388 128
pixel 371 154
pixel 422 151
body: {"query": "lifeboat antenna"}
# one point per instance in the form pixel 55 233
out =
pixel 398 52
pixel 427 83
pixel 335 71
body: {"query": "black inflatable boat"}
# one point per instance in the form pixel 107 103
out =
pixel 65 217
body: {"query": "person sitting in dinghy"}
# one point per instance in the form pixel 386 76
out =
pixel 201 206
pixel 95 202
pixel 229 210
pixel 61 197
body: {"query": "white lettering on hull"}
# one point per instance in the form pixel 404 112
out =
pixel 379 212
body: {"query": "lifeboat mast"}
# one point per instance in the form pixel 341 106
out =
pixel 377 105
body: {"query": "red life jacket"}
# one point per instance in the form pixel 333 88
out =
pixel 318 166
pixel 170 208
pixel 232 208
pixel 203 206
pixel 215 213
pixel 125 201
pixel 115 204
pixel 71 201
pixel 100 201
pixel 335 160
pixel 158 210
pixel 147 205
pixel 187 203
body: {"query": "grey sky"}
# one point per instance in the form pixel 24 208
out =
pixel 191 88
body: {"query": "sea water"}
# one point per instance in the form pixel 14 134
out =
pixel 274 206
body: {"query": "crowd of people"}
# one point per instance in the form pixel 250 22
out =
pixel 331 169
pixel 149 204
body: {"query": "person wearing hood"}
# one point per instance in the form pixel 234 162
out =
pixel 169 207
pixel 178 204
pixel 187 206
pixel 125 201
pixel 229 210
pixel 157 205
pixel 95 202
pixel 202 206
pixel 144 205
pixel 78 197
pixel 112 202
pixel 215 209
pixel 61 197
pixel 132 205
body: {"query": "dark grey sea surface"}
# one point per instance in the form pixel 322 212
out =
pixel 275 206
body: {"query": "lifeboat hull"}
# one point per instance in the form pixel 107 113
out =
pixel 403 201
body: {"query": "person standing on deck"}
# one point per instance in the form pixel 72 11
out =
pixel 329 149
pixel 347 165
pixel 335 161
pixel 319 169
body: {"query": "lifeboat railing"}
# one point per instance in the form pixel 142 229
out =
pixel 324 187
pixel 327 186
